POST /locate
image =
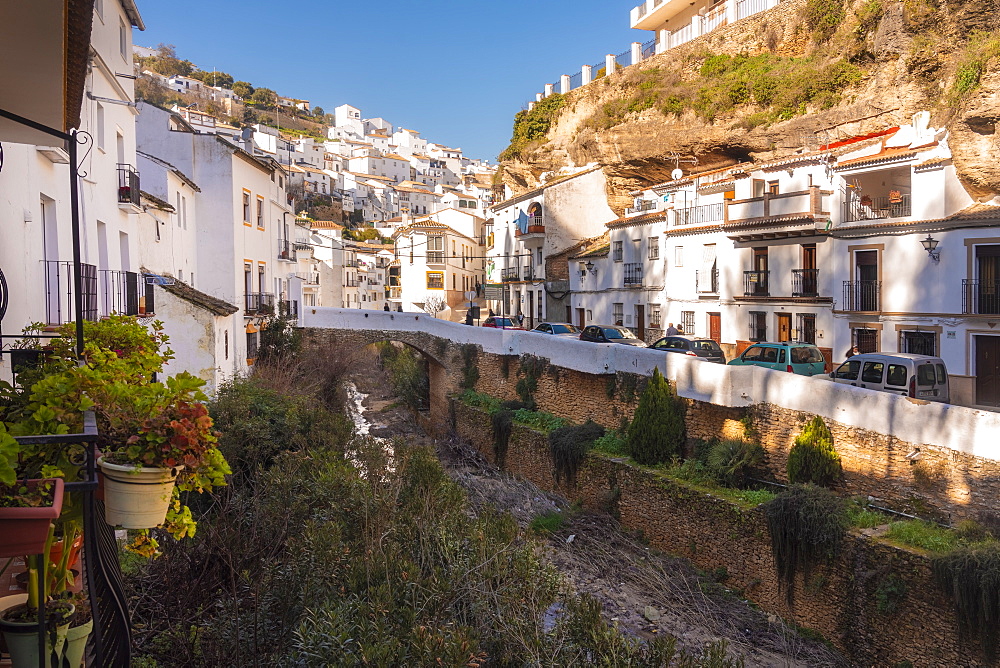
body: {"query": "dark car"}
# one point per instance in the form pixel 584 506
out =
pixel 501 323
pixel 610 334
pixel 693 346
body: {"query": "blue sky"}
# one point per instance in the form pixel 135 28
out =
pixel 455 71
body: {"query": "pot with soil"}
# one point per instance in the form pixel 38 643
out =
pixel 80 627
pixel 19 626
pixel 27 509
pixel 136 497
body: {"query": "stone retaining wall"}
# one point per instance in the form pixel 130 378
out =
pixel 839 600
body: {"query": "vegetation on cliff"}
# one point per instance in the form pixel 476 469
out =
pixel 531 125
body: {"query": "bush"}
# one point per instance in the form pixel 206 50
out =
pixel 533 124
pixel 480 400
pixel 813 457
pixel 807 524
pixel 823 17
pixel 612 443
pixel 546 523
pixel 971 575
pixel 734 460
pixel 568 445
pixel 656 433
pixel 540 420
pixel 407 374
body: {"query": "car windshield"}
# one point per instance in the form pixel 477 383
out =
pixel 614 333
pixel 564 329
pixel 806 355
pixel 503 322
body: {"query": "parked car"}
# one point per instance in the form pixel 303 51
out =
pixel 693 346
pixel 804 359
pixel 918 376
pixel 610 334
pixel 501 323
pixel 558 329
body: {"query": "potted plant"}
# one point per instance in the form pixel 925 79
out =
pixel 27 509
pixel 80 626
pixel 19 624
pixel 26 353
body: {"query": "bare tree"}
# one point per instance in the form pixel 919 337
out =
pixel 433 305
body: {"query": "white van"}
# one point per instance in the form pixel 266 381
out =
pixel 917 376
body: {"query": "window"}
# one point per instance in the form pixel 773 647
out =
pixel 678 256
pixel 772 187
pixel 865 339
pixel 654 248
pixel 184 211
pixel 618 313
pixel 100 126
pixel 654 315
pixel 896 375
pixel 435 280
pixel 687 322
pixel 538 300
pixel 918 343
pixel 225 339
pixel 849 370
pixel 260 212
pixel 806 327
pixel 758 326
pixel 246 207
pixel 261 278
pixel 590 314
pixel 123 39
pixel 617 252
pixel 177 207
pixel 435 250
pixel 251 346
pixel 871 372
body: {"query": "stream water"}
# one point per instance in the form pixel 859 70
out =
pixel 356 410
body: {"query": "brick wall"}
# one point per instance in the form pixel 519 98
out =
pixel 839 599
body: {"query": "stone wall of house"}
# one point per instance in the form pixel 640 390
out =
pixel 840 600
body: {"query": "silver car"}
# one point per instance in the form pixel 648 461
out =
pixel 558 329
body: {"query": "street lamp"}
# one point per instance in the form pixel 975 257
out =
pixel 930 245
pixel 590 267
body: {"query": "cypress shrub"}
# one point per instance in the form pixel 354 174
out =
pixel 657 430
pixel 813 457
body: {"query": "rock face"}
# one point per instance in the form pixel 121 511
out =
pixel 908 54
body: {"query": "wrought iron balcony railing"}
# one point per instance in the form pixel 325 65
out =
pixel 128 185
pixel 980 297
pixel 59 292
pixel 805 282
pixel 863 296
pixel 633 274
pixel 755 283
pixel 286 251
pixel 288 308
pixel 120 292
pixel 258 303
pixel 510 274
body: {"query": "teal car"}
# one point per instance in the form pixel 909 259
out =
pixel 804 359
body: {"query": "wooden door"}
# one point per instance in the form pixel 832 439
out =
pixel 715 327
pixel 988 370
pixel 640 321
pixel 581 321
pixel 784 326
pixel 531 309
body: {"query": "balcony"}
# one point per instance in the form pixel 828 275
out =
pixel 60 295
pixel 128 189
pixel 435 257
pixel 308 277
pixel 120 292
pixel 862 296
pixel 706 282
pixel 395 293
pixel 643 206
pixel 302 243
pixel 980 297
pixel 528 274
pixel 510 274
pixel 351 262
pixel 286 251
pixel 633 274
pixel 805 282
pixel 699 215
pixel 876 208
pixel 534 227
pixel 288 308
pixel 258 303
pixel 755 283
pixel 652 14
pixel 803 210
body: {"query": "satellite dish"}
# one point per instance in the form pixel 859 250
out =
pixel 677 174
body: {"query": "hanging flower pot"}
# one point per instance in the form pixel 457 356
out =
pixel 26 510
pixel 136 497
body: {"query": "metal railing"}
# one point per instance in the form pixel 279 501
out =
pixel 706 284
pixel 755 283
pixel 576 80
pixel 288 308
pixel 528 274
pixel 59 295
pixel 876 208
pixel 120 292
pixel 980 296
pixel 624 59
pixel 649 49
pixel 706 213
pixel 351 263
pixel 128 185
pixel 805 282
pixel 435 257
pixel 633 274
pixel 758 326
pixel 643 205
pixel 510 274
pixel 285 250
pixel 862 295
pixel 258 303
